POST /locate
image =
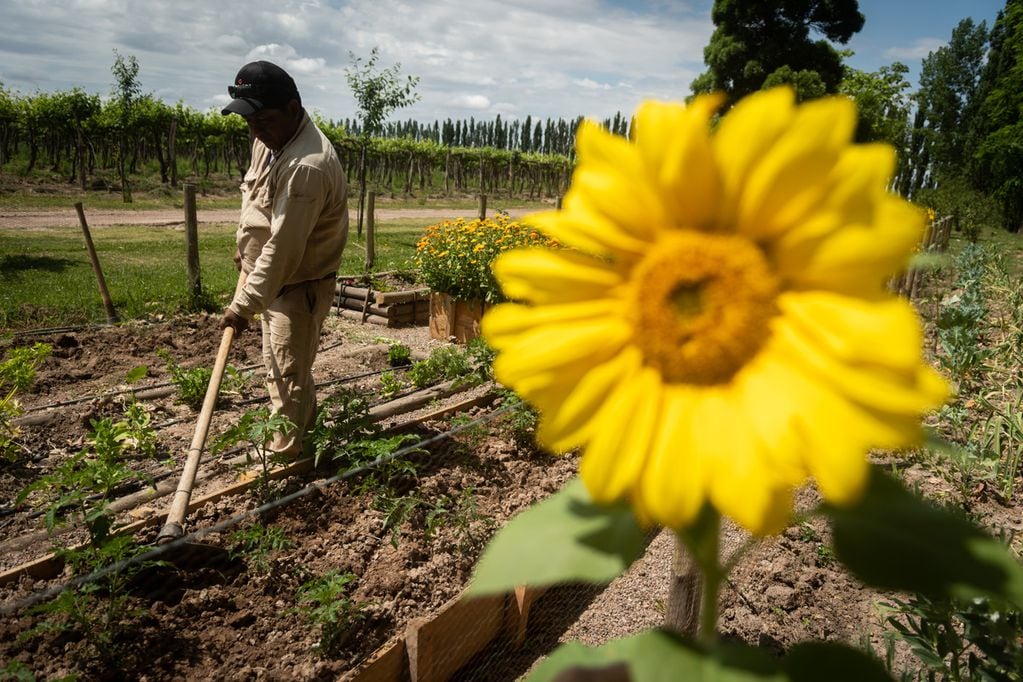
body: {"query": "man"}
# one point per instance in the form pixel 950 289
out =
pixel 292 230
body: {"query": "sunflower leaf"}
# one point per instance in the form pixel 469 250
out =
pixel 659 656
pixel 565 538
pixel 894 540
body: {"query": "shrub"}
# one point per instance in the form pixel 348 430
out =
pixel 454 257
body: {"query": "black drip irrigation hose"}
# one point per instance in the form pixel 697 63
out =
pixel 165 384
pixel 158 552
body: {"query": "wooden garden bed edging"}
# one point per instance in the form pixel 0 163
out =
pixel 386 308
pixel 434 648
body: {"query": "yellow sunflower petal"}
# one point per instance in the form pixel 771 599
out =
pixel 543 276
pixel 791 178
pixel 503 325
pixel 610 179
pixel 673 139
pixel 671 489
pixel 742 138
pixel 570 423
pixel 740 484
pixel 857 260
pixel 899 390
pixel 577 225
pixel 617 452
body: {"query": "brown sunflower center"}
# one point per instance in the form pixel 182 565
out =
pixel 702 306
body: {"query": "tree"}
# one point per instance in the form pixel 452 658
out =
pixel 377 94
pixel 882 102
pixel 997 128
pixel 763 43
pixel 126 71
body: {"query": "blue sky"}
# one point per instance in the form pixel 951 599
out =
pixel 478 58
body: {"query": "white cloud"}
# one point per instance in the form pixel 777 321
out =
pixel 471 102
pixel 545 58
pixel 920 48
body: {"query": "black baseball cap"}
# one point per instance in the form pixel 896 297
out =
pixel 259 85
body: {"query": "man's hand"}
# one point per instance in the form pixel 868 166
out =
pixel 238 260
pixel 238 322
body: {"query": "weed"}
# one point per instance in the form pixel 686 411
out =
pixel 16 671
pixel 825 556
pixel 521 420
pixel 255 544
pixel 325 603
pixel 807 533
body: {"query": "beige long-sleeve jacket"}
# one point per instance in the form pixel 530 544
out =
pixel 294 217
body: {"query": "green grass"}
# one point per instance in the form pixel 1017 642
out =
pixel 46 278
pixel 111 201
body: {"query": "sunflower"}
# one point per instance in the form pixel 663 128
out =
pixel 721 330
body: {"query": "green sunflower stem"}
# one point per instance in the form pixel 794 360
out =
pixel 712 577
pixel 703 540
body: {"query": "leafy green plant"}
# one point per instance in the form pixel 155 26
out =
pixel 256 543
pixel 82 486
pixel 471 430
pixel 520 420
pixel 16 671
pixel 343 417
pixel 445 362
pixel 461 512
pixel 960 639
pixel 83 483
pixel 192 383
pixel 397 510
pixel 961 319
pixel 17 372
pixel 391 384
pixel 257 428
pixel 325 602
pixel 399 355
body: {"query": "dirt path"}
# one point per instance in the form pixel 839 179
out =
pixel 39 219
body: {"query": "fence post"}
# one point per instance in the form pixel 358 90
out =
pixel 370 230
pixel 192 248
pixel 104 294
pixel 483 206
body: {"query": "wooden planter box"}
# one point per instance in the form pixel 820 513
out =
pixel 451 318
pixel 386 308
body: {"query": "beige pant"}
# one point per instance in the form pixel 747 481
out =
pixel 291 335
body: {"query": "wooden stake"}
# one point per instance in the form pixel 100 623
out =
pixel 370 231
pixel 483 206
pixel 192 247
pixel 107 303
